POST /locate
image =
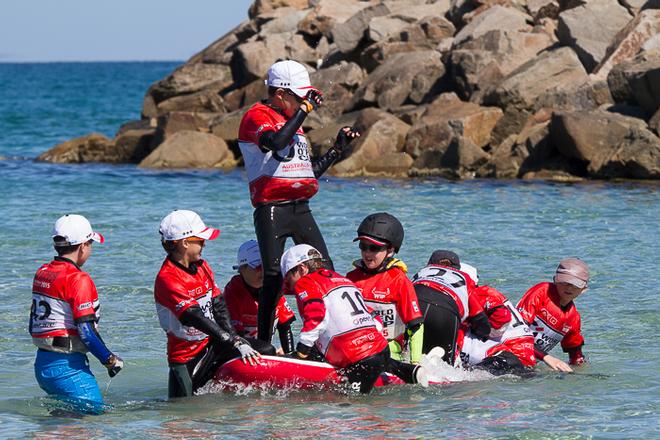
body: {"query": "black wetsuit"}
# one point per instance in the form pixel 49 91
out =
pixel 185 379
pixel 442 321
pixel 275 222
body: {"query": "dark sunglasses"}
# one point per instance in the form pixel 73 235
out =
pixel 371 247
pixel 298 98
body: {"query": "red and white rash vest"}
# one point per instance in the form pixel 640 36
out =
pixel 335 319
pixel 175 291
pixel 391 294
pixel 275 176
pixel 243 308
pixel 454 283
pixel 61 294
pixel 509 331
pixel 550 323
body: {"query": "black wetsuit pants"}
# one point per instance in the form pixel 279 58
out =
pixel 363 374
pixel 273 224
pixel 504 362
pixel 187 378
pixel 441 321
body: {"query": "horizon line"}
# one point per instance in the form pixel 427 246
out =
pixel 3 61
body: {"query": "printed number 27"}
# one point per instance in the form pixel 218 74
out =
pixel 359 308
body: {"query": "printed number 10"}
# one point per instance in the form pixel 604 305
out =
pixel 359 308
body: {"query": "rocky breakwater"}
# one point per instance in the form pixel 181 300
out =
pixel 556 89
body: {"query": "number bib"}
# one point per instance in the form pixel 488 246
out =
pixel 172 325
pixel 544 336
pixel 475 350
pixel 347 312
pixel 392 324
pixel 448 281
pixel 49 314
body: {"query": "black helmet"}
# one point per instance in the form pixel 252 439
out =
pixel 382 226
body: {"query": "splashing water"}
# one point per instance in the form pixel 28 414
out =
pixel 438 371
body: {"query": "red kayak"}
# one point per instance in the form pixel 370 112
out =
pixel 282 372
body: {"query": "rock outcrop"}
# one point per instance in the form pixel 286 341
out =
pixel 565 89
pixel 191 149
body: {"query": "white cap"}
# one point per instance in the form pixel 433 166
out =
pixel 75 229
pixel 471 271
pixel 182 223
pixel 297 255
pixel 248 254
pixel 290 75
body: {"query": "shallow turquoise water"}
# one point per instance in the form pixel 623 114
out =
pixel 514 232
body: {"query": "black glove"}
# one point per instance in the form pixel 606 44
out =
pixel 114 365
pixel 313 100
pixel 344 137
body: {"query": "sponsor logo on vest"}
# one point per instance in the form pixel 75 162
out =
pixel 548 317
pixel 84 306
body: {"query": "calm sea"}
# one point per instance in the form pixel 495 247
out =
pixel 514 232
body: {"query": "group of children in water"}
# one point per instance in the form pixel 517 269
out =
pixel 374 319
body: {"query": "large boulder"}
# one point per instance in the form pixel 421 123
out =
pixel 641 33
pixel 171 123
pixel 337 83
pixel 549 80
pixel 590 28
pixel 262 7
pixel 252 59
pixel 191 149
pixel 323 137
pixel 207 100
pixel 445 119
pixel 348 35
pixel 226 126
pixel 280 21
pixel 378 150
pixel 608 144
pixel 494 18
pixel 654 122
pixel 327 13
pixel 402 15
pixel 190 78
pixel 246 95
pixel 483 62
pixel 89 148
pixel 540 9
pixel 460 160
pixel 638 81
pixel 424 34
pixel 135 144
pixel 395 82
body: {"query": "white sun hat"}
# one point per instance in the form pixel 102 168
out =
pixel 74 229
pixel 290 75
pixel 182 223
pixel 297 255
pixel 248 254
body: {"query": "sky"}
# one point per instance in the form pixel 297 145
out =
pixel 113 30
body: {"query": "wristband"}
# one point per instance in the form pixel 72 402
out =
pixel 308 106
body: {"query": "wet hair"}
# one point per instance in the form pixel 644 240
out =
pixel 315 264
pixel 61 246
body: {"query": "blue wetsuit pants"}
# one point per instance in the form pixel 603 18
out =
pixel 66 375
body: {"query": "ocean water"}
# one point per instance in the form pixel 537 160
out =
pixel 514 232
